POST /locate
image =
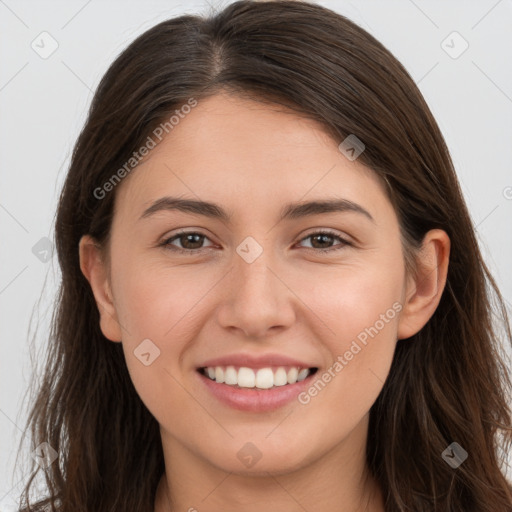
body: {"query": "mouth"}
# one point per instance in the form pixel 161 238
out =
pixel 267 378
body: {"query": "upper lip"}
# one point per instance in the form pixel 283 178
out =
pixel 253 361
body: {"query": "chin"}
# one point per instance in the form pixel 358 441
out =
pixel 260 457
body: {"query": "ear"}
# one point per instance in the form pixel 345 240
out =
pixel 94 269
pixel 423 291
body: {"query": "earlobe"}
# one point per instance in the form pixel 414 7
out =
pixel 94 270
pixel 424 290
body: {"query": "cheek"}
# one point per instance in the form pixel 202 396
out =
pixel 156 299
pixel 164 305
pixel 359 307
pixel 350 299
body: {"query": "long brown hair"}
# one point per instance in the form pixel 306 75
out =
pixel 448 383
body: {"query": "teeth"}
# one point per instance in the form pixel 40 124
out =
pixel 246 378
pixel 280 377
pixel 230 376
pixel 292 375
pixel 219 374
pixel 303 374
pixel 263 378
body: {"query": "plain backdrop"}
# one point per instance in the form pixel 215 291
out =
pixel 43 104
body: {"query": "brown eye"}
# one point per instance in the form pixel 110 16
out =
pixel 188 242
pixel 191 240
pixel 322 241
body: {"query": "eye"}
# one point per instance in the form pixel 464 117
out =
pixel 191 241
pixel 321 240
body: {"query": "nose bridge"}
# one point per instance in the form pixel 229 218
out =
pixel 256 298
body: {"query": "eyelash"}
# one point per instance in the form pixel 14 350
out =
pixel 167 243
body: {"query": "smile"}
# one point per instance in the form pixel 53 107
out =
pixel 255 390
pixel 261 378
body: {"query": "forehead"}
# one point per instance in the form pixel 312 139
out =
pixel 231 148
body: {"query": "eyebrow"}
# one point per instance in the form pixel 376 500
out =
pixel 289 211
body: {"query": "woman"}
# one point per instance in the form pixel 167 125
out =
pixel 272 294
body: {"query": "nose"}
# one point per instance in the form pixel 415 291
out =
pixel 256 298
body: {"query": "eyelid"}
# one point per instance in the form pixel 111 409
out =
pixel 327 231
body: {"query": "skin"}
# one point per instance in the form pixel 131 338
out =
pixel 290 300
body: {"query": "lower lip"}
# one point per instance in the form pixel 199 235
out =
pixel 253 399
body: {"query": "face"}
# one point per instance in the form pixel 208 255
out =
pixel 317 288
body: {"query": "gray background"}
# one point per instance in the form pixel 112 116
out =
pixel 43 104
